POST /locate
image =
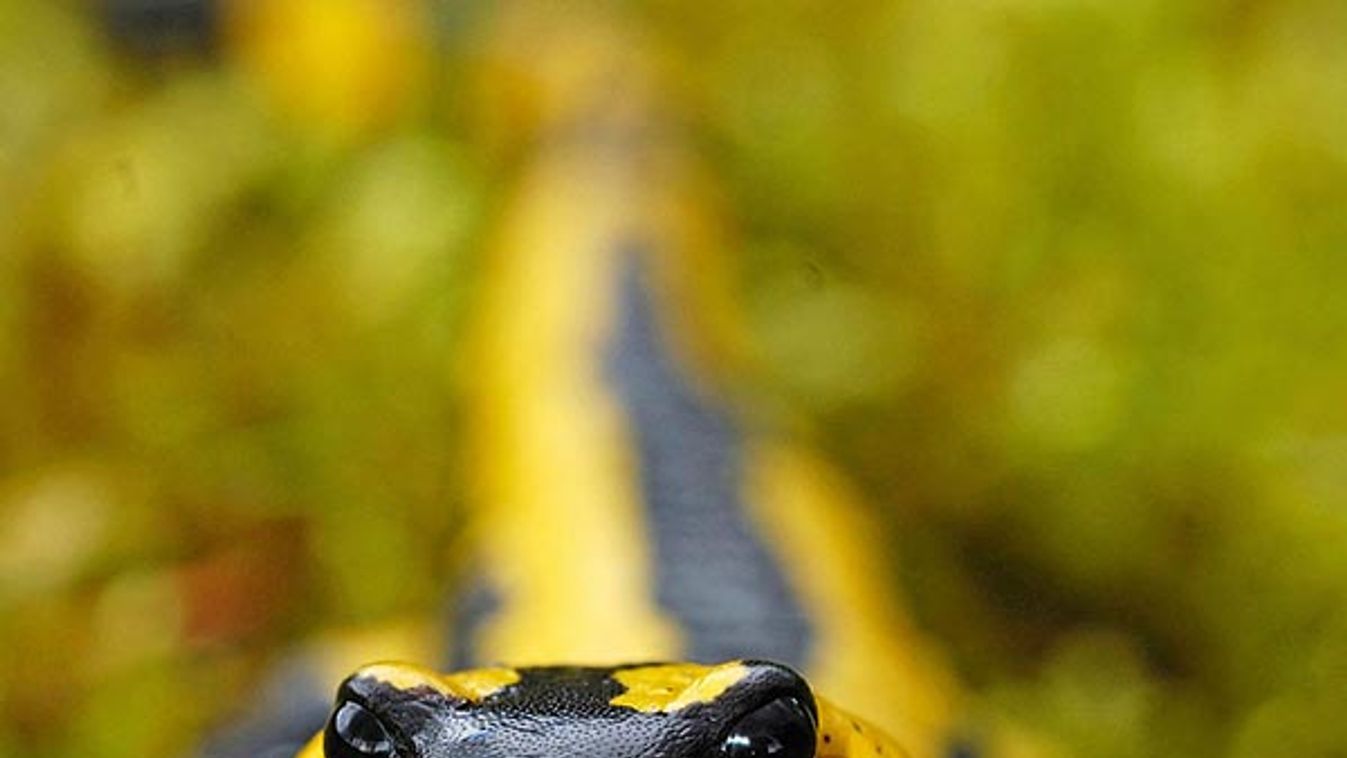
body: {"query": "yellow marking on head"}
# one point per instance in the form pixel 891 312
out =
pixel 472 685
pixel 669 687
pixel 841 735
pixel 476 684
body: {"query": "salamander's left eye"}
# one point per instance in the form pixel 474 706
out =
pixel 783 728
pixel 355 732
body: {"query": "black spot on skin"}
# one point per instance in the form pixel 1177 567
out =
pixel 827 738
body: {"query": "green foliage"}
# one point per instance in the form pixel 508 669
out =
pixel 1059 282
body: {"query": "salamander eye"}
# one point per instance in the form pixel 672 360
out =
pixel 783 728
pixel 355 732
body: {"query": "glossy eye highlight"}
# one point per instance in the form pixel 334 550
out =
pixel 783 728
pixel 355 732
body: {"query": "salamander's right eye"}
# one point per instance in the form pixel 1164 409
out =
pixel 355 732
pixel 783 728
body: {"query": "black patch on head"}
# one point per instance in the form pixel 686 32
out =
pixel 565 712
pixel 712 571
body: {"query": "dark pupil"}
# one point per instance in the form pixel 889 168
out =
pixel 354 732
pixel 780 729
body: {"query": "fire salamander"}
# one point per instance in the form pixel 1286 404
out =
pixel 742 709
pixel 627 512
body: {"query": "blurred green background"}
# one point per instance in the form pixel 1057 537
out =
pixel 1060 283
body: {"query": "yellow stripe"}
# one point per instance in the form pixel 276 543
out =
pixel 562 529
pixel 866 650
pixel 563 525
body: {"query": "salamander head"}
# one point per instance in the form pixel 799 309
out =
pixel 741 709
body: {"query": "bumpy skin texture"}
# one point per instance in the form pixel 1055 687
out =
pixel 678 711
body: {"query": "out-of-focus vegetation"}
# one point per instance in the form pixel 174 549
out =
pixel 1061 283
